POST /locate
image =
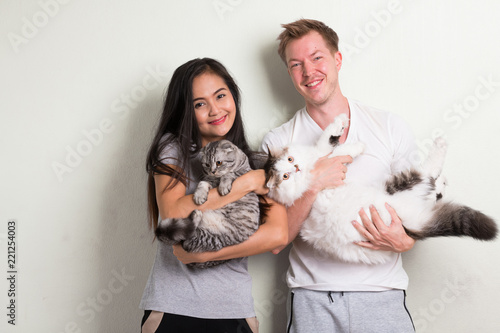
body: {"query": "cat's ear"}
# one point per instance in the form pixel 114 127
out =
pixel 274 152
pixel 270 183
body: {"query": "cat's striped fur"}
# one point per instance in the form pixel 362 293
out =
pixel 212 230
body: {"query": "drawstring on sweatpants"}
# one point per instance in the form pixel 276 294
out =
pixel 331 297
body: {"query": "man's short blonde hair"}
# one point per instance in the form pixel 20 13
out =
pixel 302 27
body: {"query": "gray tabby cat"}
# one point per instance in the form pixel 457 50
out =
pixel 212 230
pixel 416 195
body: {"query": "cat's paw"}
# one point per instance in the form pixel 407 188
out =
pixel 342 120
pixel 337 127
pixel 440 142
pixel 357 149
pixel 433 165
pixel 200 196
pixel 225 186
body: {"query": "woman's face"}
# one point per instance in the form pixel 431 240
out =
pixel 213 106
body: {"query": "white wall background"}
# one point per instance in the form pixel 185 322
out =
pixel 81 86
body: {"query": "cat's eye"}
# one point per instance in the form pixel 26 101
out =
pixel 290 159
pixel 286 176
pixel 218 163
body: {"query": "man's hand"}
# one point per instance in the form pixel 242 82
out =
pixel 329 172
pixel 380 236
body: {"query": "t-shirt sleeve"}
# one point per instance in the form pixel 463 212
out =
pixel 170 154
pixel 272 140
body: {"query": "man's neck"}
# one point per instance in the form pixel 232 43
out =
pixel 324 114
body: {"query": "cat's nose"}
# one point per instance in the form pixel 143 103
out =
pixel 296 168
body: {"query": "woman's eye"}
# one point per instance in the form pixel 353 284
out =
pixel 286 176
pixel 290 159
pixel 221 96
pixel 198 105
pixel 218 163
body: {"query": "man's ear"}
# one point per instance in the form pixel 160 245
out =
pixel 338 60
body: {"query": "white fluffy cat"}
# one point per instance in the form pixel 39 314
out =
pixel 414 194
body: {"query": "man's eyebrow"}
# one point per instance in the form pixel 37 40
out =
pixel 311 55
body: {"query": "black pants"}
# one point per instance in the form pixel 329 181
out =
pixel 171 323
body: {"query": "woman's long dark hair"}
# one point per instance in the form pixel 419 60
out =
pixel 178 119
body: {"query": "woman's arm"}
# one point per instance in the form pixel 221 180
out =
pixel 174 203
pixel 271 236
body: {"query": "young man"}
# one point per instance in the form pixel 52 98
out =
pixel 328 295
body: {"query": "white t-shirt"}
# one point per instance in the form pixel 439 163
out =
pixel 389 143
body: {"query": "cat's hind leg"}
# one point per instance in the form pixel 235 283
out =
pixel 433 165
pixel 173 231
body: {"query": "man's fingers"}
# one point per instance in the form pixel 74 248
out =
pixel 368 223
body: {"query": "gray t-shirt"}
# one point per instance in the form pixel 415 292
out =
pixel 223 291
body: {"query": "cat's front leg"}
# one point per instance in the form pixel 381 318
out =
pixel 200 196
pixel 225 185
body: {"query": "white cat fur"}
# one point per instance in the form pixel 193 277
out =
pixel 328 227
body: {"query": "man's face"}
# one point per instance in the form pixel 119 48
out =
pixel 313 68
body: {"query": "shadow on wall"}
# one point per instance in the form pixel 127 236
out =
pixel 271 309
pixel 127 248
pixel 287 99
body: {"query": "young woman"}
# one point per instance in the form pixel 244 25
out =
pixel 202 105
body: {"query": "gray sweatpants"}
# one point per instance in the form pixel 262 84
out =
pixel 353 312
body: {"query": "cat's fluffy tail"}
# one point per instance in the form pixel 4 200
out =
pixel 450 219
pixel 174 231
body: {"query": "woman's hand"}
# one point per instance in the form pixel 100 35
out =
pixel 380 236
pixel 256 181
pixel 187 257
